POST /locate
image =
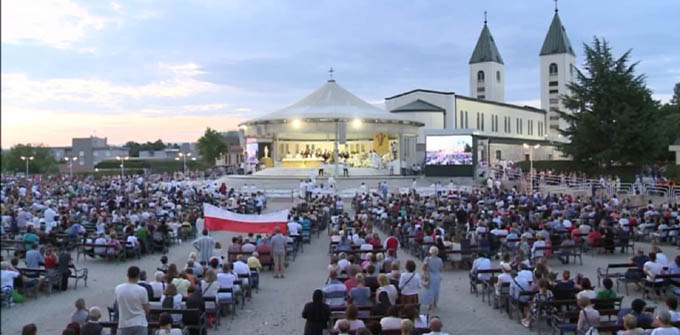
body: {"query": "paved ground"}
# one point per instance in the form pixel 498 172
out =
pixel 277 308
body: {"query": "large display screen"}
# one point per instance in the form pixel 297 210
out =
pixel 448 150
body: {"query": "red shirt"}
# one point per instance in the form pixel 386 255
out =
pixel 50 261
pixel 391 243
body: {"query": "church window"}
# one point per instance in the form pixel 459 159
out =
pixel 478 121
pixel 481 97
pixel 482 122
pixel 498 155
pixel 552 69
pixel 466 120
pixel 480 76
pixel 552 83
pixel 462 119
pixel 480 89
pixel 553 91
pixel 498 76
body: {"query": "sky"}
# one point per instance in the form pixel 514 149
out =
pixel 142 70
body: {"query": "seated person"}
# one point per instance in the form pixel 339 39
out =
pixel 564 288
pixel 664 325
pixel 335 291
pixel 351 316
pixel 360 294
pixel 630 326
pixel 588 317
pixel 606 293
pixel 481 263
pixel 643 318
pixel 392 320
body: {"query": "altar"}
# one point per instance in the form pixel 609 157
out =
pixel 301 162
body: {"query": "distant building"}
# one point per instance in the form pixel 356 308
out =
pixel 88 151
pixel 676 147
pixel 234 154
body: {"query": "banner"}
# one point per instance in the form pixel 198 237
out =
pixel 221 219
pixel 381 143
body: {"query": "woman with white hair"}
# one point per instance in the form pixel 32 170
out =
pixel 432 265
pixel 158 286
pixel 92 326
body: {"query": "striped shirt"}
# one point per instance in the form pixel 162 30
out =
pixel 205 246
pixel 335 293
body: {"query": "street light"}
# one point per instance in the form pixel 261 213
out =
pixel 70 166
pixel 122 165
pixel 184 159
pixel 531 165
pixel 27 159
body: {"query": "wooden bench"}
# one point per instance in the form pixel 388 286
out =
pixel 357 252
pixel 83 249
pixel 614 275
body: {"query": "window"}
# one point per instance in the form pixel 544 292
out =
pixel 482 122
pixel 530 127
pixel 498 76
pixel 462 119
pixel 480 76
pixel 554 118
pixel 571 71
pixel 554 101
pixel 552 83
pixel 498 155
pixel 81 153
pixel 552 69
pixel 526 157
pixel 519 126
pixel 480 89
pixel 466 120
pixel 81 162
pixel 550 157
pixel 481 97
pixel 478 121
pixel 95 154
pixel 553 91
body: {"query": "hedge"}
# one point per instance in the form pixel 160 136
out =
pixel 166 165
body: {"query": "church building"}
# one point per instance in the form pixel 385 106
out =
pixel 503 131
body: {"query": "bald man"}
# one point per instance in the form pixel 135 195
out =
pixel 436 327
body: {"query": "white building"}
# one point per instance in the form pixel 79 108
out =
pixel 501 129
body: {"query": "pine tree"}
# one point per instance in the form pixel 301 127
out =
pixel 614 119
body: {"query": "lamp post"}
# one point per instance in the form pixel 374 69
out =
pixel 184 159
pixel 27 159
pixel 531 165
pixel 70 166
pixel 122 165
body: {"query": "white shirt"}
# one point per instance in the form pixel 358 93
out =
pixel 662 259
pixel 481 263
pixel 131 299
pixel 8 278
pixel 390 322
pixel 666 331
pixel 653 269
pixel 293 228
pixel 409 283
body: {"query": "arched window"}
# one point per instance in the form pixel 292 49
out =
pixel 480 76
pixel 571 71
pixel 552 69
pixel 498 76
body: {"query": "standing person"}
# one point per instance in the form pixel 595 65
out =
pixel 205 245
pixel 278 242
pixel 133 305
pixel 433 267
pixel 409 283
pixel 63 267
pixel 317 313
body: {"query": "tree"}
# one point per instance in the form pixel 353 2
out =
pixel 211 145
pixel 43 160
pixel 614 120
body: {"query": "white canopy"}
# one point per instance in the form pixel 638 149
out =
pixel 330 101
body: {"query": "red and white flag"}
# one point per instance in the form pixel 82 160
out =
pixel 221 219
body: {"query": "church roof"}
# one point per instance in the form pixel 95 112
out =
pixel 486 50
pixel 418 106
pixel 556 41
pixel 330 101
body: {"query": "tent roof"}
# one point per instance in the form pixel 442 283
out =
pixel 330 101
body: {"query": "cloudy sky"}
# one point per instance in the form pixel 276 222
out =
pixel 142 69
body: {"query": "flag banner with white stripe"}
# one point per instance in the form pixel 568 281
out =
pixel 221 219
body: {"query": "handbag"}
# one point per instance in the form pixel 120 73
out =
pixel 590 330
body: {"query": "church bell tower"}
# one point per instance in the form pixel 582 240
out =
pixel 487 74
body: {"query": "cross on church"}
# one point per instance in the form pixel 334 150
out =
pixel 330 72
pixel 555 6
pixel 484 17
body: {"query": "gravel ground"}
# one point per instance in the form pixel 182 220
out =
pixel 277 308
